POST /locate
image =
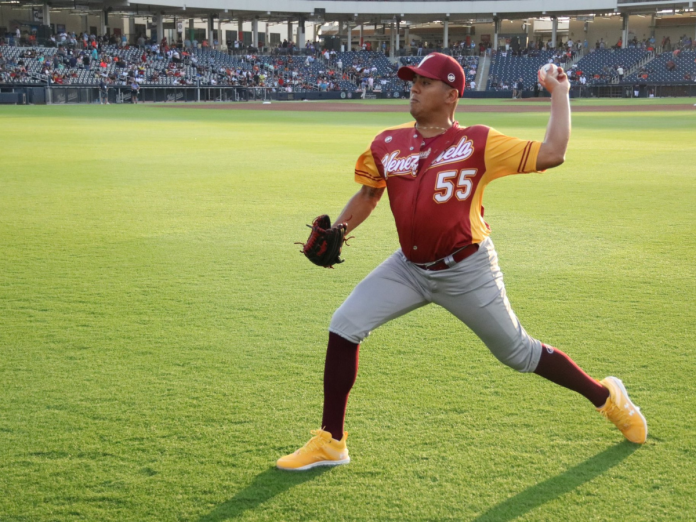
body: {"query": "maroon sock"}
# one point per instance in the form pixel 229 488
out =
pixel 557 367
pixel 340 371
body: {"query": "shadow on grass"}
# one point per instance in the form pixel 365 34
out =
pixel 554 487
pixel 266 485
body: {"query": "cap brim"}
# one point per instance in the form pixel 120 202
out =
pixel 407 73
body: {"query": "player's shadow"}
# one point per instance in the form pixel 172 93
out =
pixel 265 486
pixel 550 489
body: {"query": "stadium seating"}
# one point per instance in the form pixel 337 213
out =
pixel 657 71
pixel 468 63
pixel 603 63
pixel 506 70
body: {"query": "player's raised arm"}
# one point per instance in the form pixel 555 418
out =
pixel 360 206
pixel 553 149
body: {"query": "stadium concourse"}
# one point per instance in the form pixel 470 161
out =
pixel 354 55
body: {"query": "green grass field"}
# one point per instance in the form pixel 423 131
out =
pixel 163 340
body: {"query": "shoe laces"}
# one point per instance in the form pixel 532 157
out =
pixel 315 443
pixel 621 417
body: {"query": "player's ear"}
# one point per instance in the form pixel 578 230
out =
pixel 452 95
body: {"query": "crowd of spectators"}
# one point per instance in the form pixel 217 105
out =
pixel 84 58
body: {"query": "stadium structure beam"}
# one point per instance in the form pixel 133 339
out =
pixel 300 33
pixel 46 14
pixel 396 36
pixel 160 27
pixel 496 30
pixel 554 31
pixel 624 32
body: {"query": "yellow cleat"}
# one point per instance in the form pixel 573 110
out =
pixel 623 413
pixel 321 450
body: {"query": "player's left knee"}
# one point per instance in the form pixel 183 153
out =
pixel 522 357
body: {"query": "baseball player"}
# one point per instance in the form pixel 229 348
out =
pixel 436 172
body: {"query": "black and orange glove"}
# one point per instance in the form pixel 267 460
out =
pixel 323 247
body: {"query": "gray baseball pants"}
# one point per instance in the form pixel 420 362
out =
pixel 472 290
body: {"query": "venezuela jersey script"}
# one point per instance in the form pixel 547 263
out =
pixel 436 185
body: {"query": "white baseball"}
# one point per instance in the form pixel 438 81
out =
pixel 549 68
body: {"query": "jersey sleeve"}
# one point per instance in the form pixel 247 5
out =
pixel 367 172
pixel 506 155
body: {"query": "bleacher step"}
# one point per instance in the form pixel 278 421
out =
pixel 483 70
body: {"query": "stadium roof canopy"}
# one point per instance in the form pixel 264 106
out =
pixel 364 11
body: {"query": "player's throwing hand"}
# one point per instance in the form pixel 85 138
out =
pixel 555 78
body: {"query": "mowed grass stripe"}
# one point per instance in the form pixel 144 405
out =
pixel 163 339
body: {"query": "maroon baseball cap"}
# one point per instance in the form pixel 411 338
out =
pixel 437 66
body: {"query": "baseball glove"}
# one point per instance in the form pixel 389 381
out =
pixel 323 247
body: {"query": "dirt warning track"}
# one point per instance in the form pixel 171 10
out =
pixel 311 106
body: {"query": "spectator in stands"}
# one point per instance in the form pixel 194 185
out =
pixel 135 89
pixel 620 72
pixel 103 92
pixel 671 66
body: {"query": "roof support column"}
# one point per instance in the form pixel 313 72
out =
pixel 445 35
pixel 391 39
pixel 131 28
pixel 190 31
pixel 46 14
pixel 397 42
pixel 554 31
pixel 160 28
pixel 301 33
pixel 496 30
pixel 240 30
pixel 255 33
pixel 361 36
pixel 221 37
pixel 349 37
pixel 289 29
pixel 624 34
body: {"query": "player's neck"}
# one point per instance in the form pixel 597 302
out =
pixel 434 127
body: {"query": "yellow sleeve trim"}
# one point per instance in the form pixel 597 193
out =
pixel 506 155
pixel 366 171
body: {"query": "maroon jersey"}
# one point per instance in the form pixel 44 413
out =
pixel 436 189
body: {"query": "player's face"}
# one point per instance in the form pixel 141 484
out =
pixel 428 97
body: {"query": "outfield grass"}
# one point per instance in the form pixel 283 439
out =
pixel 163 340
